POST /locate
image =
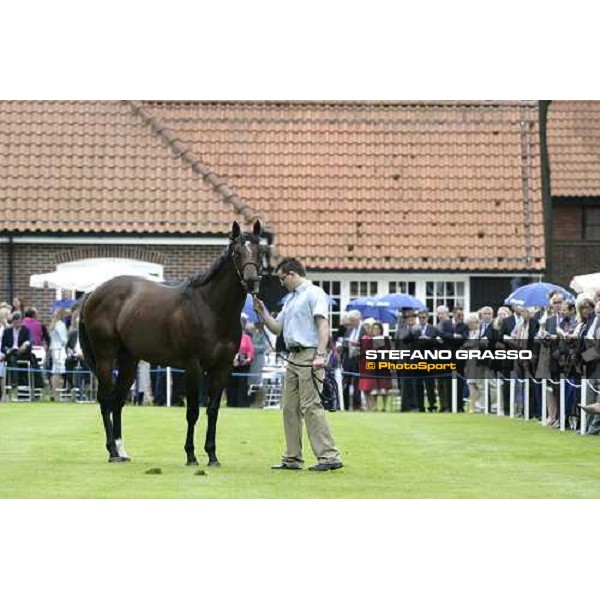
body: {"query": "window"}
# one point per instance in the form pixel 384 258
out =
pixel 361 289
pixel 402 287
pixel 334 290
pixel 591 223
pixel 449 293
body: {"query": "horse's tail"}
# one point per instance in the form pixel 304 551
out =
pixel 84 340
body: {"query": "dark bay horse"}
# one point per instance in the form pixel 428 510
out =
pixel 193 326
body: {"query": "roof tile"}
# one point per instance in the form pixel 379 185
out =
pixel 574 147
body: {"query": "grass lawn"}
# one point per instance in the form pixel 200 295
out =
pixel 52 450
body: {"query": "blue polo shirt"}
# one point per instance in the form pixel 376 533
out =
pixel 297 316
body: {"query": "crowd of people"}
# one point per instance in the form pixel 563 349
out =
pixel 562 337
pixel 50 353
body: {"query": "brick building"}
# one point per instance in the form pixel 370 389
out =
pixel 574 161
pixel 444 200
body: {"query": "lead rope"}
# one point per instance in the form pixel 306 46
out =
pixel 330 403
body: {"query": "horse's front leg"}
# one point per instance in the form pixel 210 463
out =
pixel 215 390
pixel 192 391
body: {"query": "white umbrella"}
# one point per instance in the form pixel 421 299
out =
pixel 586 283
pixel 86 278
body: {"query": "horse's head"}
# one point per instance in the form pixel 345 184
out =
pixel 247 256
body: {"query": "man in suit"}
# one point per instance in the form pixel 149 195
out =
pixel 426 385
pixel 506 367
pixel 445 330
pixel 407 334
pixel 461 333
pixel 16 345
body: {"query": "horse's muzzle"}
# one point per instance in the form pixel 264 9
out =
pixel 252 284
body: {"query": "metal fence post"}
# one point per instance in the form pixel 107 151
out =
pixel 168 386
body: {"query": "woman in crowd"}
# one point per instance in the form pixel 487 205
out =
pixel 58 344
pixel 385 384
pixel 379 385
pixel 366 385
pixel 237 389
pixel 17 305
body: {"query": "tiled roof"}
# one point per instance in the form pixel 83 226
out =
pixel 343 185
pixel 98 167
pixel 373 185
pixel 574 147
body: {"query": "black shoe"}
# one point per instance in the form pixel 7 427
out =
pixel 287 467
pixel 326 466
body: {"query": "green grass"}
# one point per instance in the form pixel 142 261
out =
pixel 57 451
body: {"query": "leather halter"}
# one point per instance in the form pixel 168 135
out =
pixel 240 273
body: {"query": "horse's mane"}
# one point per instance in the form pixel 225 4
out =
pixel 203 278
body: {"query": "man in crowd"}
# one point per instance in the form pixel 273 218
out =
pixel 445 329
pixel 406 335
pixel 16 345
pixel 350 359
pixel 461 333
pixel 426 385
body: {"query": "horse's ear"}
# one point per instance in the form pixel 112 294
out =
pixel 257 228
pixel 235 230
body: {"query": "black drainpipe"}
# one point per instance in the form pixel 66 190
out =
pixel 544 105
pixel 11 270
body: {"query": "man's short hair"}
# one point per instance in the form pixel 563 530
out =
pixel 291 264
pixel 16 316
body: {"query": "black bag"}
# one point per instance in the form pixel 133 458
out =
pixel 330 398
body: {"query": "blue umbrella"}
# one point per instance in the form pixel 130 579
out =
pixel 535 294
pixel 368 308
pixel 399 301
pixel 64 303
pixel 249 310
pixel 361 303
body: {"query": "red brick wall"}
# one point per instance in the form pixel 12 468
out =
pixel 29 259
pixel 566 222
pixel 573 258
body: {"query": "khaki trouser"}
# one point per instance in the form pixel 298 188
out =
pixel 301 400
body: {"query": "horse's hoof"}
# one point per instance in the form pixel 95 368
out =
pixel 214 463
pixel 191 463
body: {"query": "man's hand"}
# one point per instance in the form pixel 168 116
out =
pixel 318 362
pixel 259 306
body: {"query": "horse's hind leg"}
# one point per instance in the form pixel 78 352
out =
pixel 192 393
pixel 127 372
pixel 105 399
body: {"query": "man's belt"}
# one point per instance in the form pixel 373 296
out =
pixel 300 348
